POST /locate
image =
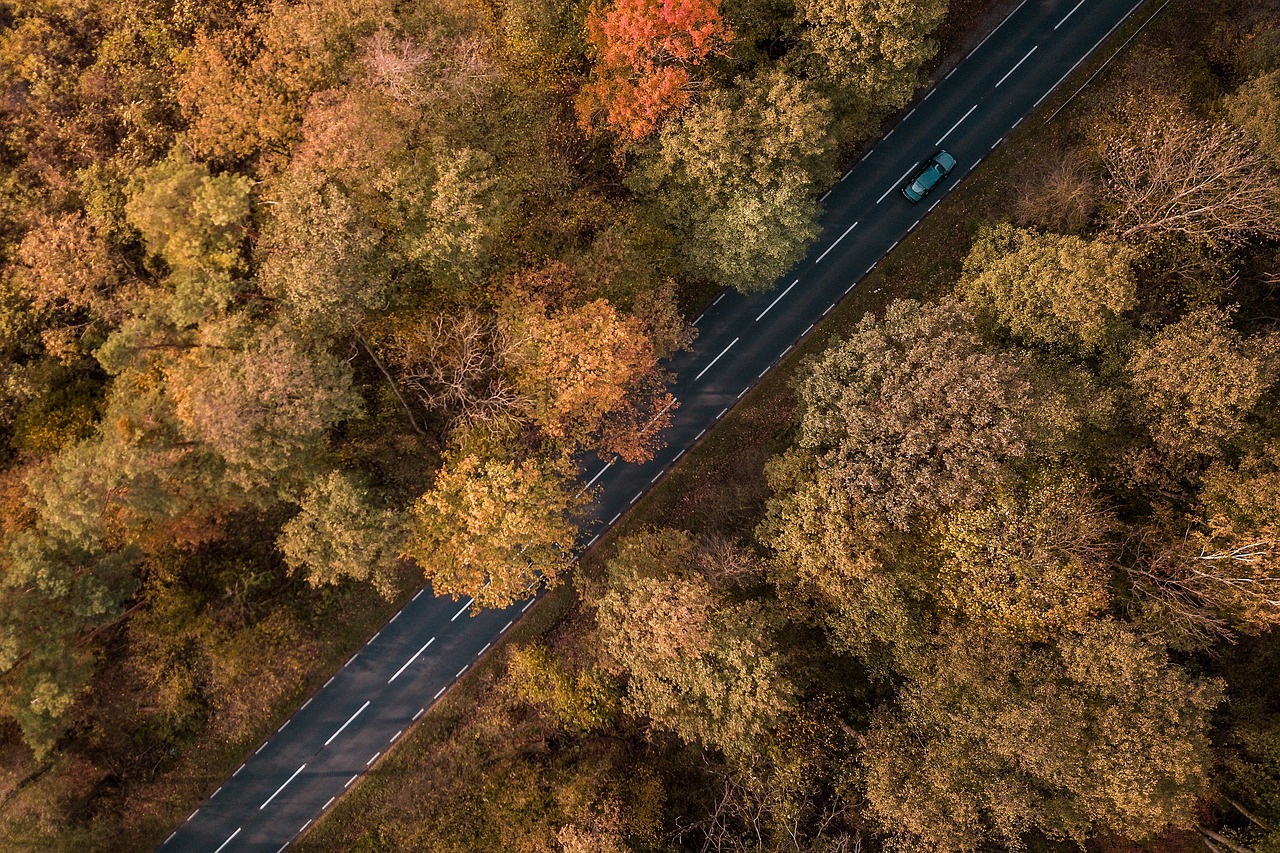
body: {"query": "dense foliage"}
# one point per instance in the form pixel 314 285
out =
pixel 305 298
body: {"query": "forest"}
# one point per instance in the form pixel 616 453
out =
pixel 304 301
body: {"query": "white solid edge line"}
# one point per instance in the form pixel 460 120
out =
pixel 1089 53
pixel 470 601
pixel 1020 61
pixel 228 841
pixel 1069 14
pixel 954 126
pixel 833 245
pixel 410 660
pixel 282 787
pixel 895 184
pixel 717 358
pixel 347 723
pixel 779 297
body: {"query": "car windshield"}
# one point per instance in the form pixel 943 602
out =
pixel 929 177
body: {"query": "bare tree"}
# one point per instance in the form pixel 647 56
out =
pixel 457 363
pixel 1203 182
pixel 418 72
pixel 1205 592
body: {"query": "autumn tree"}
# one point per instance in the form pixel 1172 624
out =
pixel 457 363
pixel 243 88
pixel 696 663
pixel 646 53
pixel 993 740
pixel 1220 575
pixel 1050 290
pixel 1032 559
pixel 318 254
pixel 908 419
pixel 55 592
pixel 1196 381
pixel 63 262
pixel 912 412
pixel 736 177
pixel 265 405
pixel 341 533
pixel 189 217
pixel 589 375
pixel 871 51
pixel 1203 183
pixel 578 698
pixel 494 529
pixel 1255 109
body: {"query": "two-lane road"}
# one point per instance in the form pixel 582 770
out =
pixel 366 707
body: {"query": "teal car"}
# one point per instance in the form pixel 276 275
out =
pixel 938 167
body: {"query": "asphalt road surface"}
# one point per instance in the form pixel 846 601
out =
pixel 342 730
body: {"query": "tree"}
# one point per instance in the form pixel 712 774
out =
pixel 243 89
pixel 737 177
pixel 54 594
pixel 451 216
pixel 1050 290
pixel 645 55
pixel 1203 183
pixel 1032 559
pixel 340 533
pixel 1221 574
pixel 63 261
pixel 696 664
pixel 1255 109
pixel 907 420
pixel 456 363
pixel 872 49
pixel 318 254
pixel 590 377
pixel 994 739
pixel 494 529
pixel 263 406
pixel 189 217
pixel 1196 381
pixel 579 699
pixel 912 412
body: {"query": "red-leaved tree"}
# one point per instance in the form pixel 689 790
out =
pixel 646 52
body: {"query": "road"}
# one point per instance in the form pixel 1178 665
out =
pixel 342 730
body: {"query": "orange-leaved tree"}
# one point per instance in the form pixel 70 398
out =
pixel 590 376
pixel 645 53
